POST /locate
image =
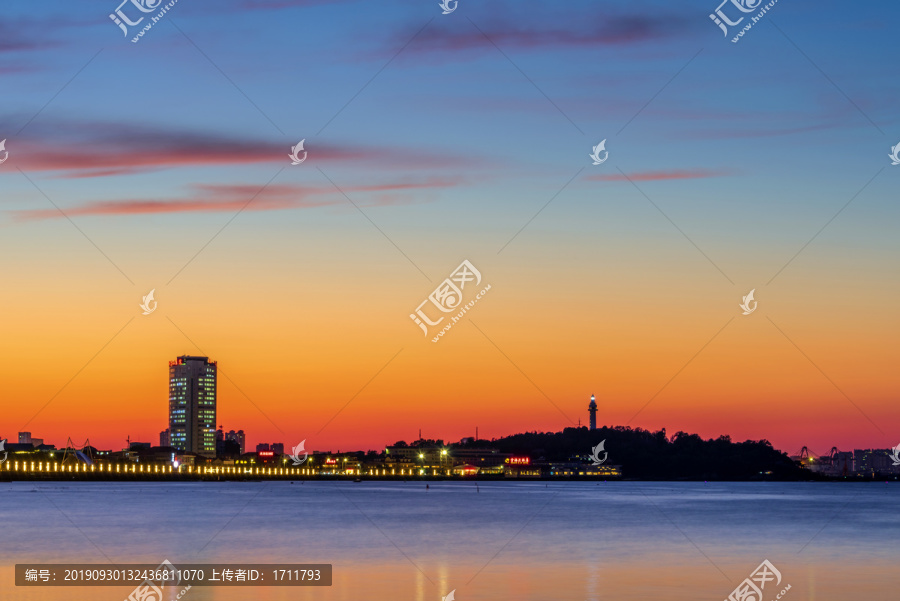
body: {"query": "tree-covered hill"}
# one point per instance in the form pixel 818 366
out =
pixel 651 455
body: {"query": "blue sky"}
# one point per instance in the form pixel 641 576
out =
pixel 455 135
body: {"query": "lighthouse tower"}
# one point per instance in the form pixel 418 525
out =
pixel 592 409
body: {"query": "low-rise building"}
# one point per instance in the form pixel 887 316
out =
pixel 583 470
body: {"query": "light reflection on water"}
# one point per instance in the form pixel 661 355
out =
pixel 504 540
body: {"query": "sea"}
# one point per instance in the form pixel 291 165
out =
pixel 470 541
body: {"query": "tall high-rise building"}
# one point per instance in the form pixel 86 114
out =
pixel 592 409
pixel 192 405
pixel 24 437
pixel 164 438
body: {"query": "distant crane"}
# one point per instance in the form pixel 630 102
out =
pixel 838 462
pixel 805 457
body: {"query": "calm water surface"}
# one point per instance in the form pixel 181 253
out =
pixel 522 541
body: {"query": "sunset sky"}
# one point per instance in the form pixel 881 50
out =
pixel 432 139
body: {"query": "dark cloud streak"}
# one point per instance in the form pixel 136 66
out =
pixel 79 150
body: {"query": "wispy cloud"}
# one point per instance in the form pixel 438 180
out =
pixel 282 4
pixel 655 176
pixel 611 30
pixel 230 198
pixel 20 36
pixel 104 149
pixel 22 40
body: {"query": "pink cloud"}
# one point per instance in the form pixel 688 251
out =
pixel 78 150
pixel 206 198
